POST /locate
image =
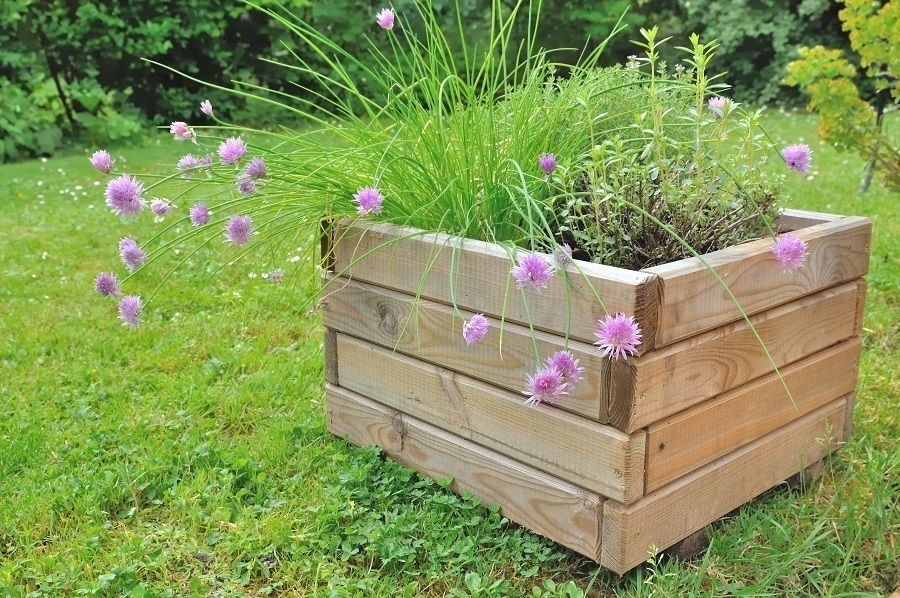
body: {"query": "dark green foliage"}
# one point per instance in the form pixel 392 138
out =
pixel 759 37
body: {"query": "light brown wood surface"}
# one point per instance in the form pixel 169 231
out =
pixel 693 301
pixel 688 440
pixel 791 220
pixel 674 511
pixel 481 281
pixel 674 378
pixel 862 284
pixel 329 349
pixel 432 332
pixel 592 455
pixel 549 506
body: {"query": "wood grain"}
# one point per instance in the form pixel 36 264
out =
pixel 674 378
pixel 329 348
pixel 481 281
pixel 544 504
pixel 594 456
pixel 693 301
pixel 688 440
pixel 432 332
pixel 663 517
pixel 791 220
pixel 860 315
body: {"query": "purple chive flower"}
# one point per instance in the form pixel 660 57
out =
pixel 130 310
pixel 181 131
pixel 207 161
pixel 532 269
pixel 369 200
pixel 187 163
pixel 790 251
pixel 161 207
pixel 206 107
pixel 102 161
pixel 132 255
pixel 385 18
pixel 566 364
pixel 619 336
pixel 563 255
pixel 232 150
pixel 107 284
pixel 239 230
pixel 547 163
pixel 199 214
pixel 475 329
pixel 546 386
pixel 717 105
pixel 256 168
pixel 797 157
pixel 276 276
pixel 246 185
pixel 123 195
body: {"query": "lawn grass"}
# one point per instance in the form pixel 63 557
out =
pixel 190 456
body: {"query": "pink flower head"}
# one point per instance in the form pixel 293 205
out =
pixel 563 255
pixel 619 336
pixel 276 276
pixel 369 200
pixel 385 18
pixel 102 161
pixel 256 168
pixel 188 163
pixel 130 310
pixel 475 329
pixel 161 207
pixel 547 163
pixel 246 185
pixel 566 364
pixel 717 106
pixel 132 255
pixel 123 195
pixel 797 157
pixel 532 269
pixel 180 131
pixel 232 150
pixel 790 251
pixel 546 386
pixel 199 214
pixel 107 284
pixel 206 107
pixel 239 230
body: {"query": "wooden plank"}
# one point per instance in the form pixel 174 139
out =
pixel 674 378
pixel 329 348
pixel 848 417
pixel 432 332
pixel 591 455
pixel 542 503
pixel 693 301
pixel 661 518
pixel 680 444
pixel 860 306
pixel 791 220
pixel 480 273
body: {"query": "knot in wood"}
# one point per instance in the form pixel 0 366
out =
pixel 387 319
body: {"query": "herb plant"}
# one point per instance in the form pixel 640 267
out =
pixel 627 166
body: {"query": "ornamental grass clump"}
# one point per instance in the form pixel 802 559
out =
pixel 627 165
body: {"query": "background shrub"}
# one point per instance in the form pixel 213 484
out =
pixel 72 70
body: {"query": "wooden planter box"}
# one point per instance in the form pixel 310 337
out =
pixel 642 453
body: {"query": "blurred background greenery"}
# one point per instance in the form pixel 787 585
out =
pixel 72 74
